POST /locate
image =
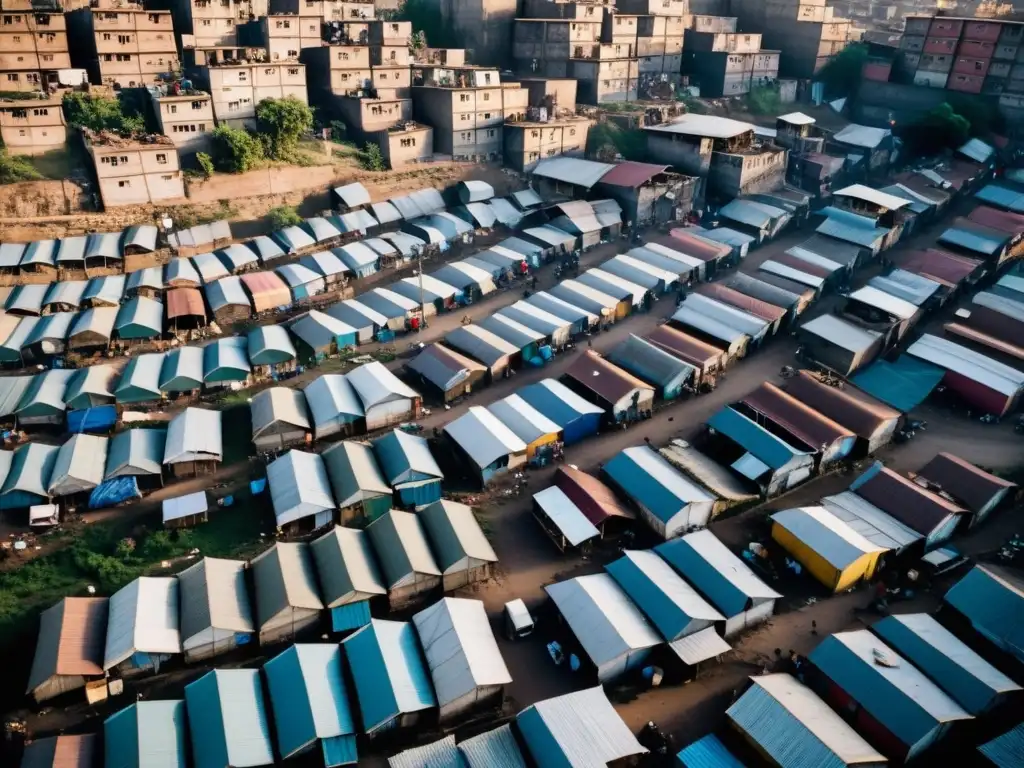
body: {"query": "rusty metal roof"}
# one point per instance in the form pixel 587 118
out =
pixel 972 486
pixel 735 298
pixel 685 347
pixel 71 637
pixel 185 301
pixel 942 266
pixel 863 417
pixel 605 379
pixel 630 174
pixel 593 498
pixel 912 505
pixel 811 427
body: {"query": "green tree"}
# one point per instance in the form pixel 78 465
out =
pixel 157 546
pixel 235 150
pixel 941 128
pixel 608 139
pixel 14 169
pixel 206 163
pixel 283 216
pixel 281 123
pixel 371 159
pixel 99 113
pixel 842 74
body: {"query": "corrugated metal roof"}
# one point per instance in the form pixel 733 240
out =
pixel 438 754
pixel 355 256
pixel 825 534
pixel 225 292
pixel 182 369
pixel 651 363
pixel 200 235
pixel 401 545
pixel 754 438
pixel 385 212
pixel 515 333
pixel 1005 197
pixel 228 720
pixel 504 212
pixel 266 248
pixel 862 136
pixel 39 252
pixel 141 236
pixel 293 238
pixel 496 748
pixel 53 328
pixel 709 473
pixel 719 575
pixel 907 501
pixel 79 465
pixel 70 640
pixel 789 723
pixel 700 646
pixel 602 617
pixel 572 170
pixel 354 221
pixel 403 457
pixel 331 395
pixel 977 150
pixel 968 363
pixel 527 198
pixel 992 599
pixel 98 320
pixel 47 391
pixel 307 693
pixel 606 380
pixel 213 595
pixel 874 524
pixel 900 697
pixel 269 344
pixel 209 267
pixel 226 359
pixel 148 733
pixel 66 292
pixel 285 578
pixel 975 237
pixel 612 285
pixel 843 228
pixel 238 255
pixel 193 434
pixel 376 384
pixel 668 601
pixel 140 317
pixel 353 194
pixel 298 486
pixel 141 378
pixel 460 648
pixel 455 535
pixel 565 515
pixel 346 566
pixel 649 275
pixel 282 405
pixel 969 484
pixel 180 270
pixel 632 174
pixel 321 229
pixel 867 194
pixel 143 618
pixel 843 334
pixel 970 680
pixel 710 126
pixel 149 277
pixel 388 671
pixel 136 451
pixel 719 311
pixel 708 752
pixel 750 213
pixel 1005 751
pixel 654 483
pixel 582 726
pixel 27 299
pixel 480 343
pixel 551 236
pixel 30 469
pixel 906 286
pixel 525 421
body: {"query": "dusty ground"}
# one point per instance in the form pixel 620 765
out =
pixel 529 561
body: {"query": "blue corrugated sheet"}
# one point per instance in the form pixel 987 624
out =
pixel 974 239
pixel 705 578
pixel 1006 751
pixel 145 734
pixel 114 492
pixel 904 384
pixel 99 419
pixel 340 750
pixel 708 752
pixel 636 483
pixel 575 425
pixel 350 616
pixel 992 599
pixel 1004 197
pixel 420 495
pixel 227 720
pixel 752 438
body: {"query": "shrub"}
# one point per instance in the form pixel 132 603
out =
pixel 282 122
pixel 206 163
pixel 235 150
pixel 371 158
pixel 100 113
pixel 283 216
pixel 14 169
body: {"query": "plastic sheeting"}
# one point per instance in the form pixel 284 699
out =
pixel 114 492
pixel 99 419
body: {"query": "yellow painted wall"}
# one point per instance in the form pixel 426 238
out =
pixel 862 568
pixel 541 441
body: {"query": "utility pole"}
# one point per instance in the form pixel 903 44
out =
pixel 419 267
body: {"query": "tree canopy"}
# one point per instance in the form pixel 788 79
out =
pixel 842 74
pixel 282 122
pixel 235 150
pixel 99 113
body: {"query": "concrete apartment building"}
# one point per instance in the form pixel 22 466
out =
pixel 186 119
pixel 136 172
pixel 723 151
pixel 33 46
pixel 723 62
pixel 527 142
pixel 405 143
pixel 805 31
pixel 210 23
pixel 484 27
pixel 32 126
pixel 237 86
pixel 125 46
pixel 467 106
pixel 283 36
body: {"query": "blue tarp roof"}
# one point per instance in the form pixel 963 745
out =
pixel 753 438
pixel 99 419
pixel 708 752
pixel 114 492
pixel 903 384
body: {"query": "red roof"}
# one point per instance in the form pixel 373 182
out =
pixel 915 507
pixel 185 301
pixel 815 430
pixel 800 265
pixel 267 289
pixel 756 307
pixel 996 324
pixel 986 340
pixel 962 480
pixel 687 348
pixel 848 407
pixel 595 499
pixel 939 265
pixel 1004 221
pixel 698 247
pixel 605 379
pixel 632 174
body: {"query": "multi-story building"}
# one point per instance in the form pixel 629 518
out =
pixel 466 107
pixel 659 44
pixel 282 35
pixel 237 86
pixel 33 46
pixel 185 118
pixel 32 126
pixel 337 70
pixel 543 47
pixel 209 23
pixel 405 143
pixel 484 27
pixel 136 171
pixel 725 152
pixel 527 142
pixel 723 62
pixel 805 31
pixel 124 46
